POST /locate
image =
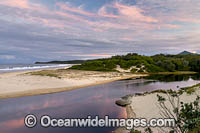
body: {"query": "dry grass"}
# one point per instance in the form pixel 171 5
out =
pixel 49 73
pixel 77 74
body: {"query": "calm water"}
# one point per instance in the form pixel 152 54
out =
pixel 98 100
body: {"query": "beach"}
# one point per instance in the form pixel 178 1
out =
pixel 18 84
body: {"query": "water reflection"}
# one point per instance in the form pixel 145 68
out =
pixel 172 77
pixel 98 100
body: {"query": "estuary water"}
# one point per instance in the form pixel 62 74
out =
pixel 97 100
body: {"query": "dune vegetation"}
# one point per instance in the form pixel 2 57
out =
pixel 144 64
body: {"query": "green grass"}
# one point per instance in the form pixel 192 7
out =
pixel 133 70
pixel 46 73
pixel 195 130
pixel 161 91
pixel 191 89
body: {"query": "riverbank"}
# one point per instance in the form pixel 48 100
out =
pixel 19 84
pixel 176 73
pixel 147 106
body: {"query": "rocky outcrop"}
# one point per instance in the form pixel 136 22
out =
pixel 124 101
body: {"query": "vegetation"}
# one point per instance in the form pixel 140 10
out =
pixel 147 130
pixel 97 65
pixel 186 115
pixel 173 77
pixel 161 91
pixel 150 64
pixel 135 131
pixel 191 89
pixel 46 73
pixel 62 62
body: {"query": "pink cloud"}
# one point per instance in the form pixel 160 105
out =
pixel 46 22
pixel 188 20
pixel 23 4
pixel 74 9
pixel 126 17
pixel 127 38
pixel 133 13
pixel 38 16
pixel 99 25
pixel 172 26
pixel 102 12
pixel 67 15
pixel 15 3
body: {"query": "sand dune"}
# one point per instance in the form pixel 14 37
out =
pixel 147 107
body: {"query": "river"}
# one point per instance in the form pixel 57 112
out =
pixel 97 100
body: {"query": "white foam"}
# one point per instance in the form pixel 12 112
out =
pixel 33 67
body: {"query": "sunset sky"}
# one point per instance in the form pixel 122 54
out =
pixel 44 30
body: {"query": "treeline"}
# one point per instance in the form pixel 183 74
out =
pixel 156 63
pixel 62 62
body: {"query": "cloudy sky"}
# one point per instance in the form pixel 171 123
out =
pixel 43 30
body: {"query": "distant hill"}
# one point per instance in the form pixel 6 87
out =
pixel 186 53
pixel 62 62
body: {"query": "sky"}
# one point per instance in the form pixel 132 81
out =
pixel 44 30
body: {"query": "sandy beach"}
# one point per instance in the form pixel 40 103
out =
pixel 18 84
pixel 147 106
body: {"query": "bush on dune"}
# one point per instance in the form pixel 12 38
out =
pixel 152 64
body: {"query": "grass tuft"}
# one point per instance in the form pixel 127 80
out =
pixel 45 73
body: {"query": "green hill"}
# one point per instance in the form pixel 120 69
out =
pixel 186 53
pixel 148 64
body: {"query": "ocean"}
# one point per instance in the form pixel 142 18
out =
pixel 24 67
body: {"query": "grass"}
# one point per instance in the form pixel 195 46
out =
pixel 46 73
pixel 191 89
pixel 161 91
pixel 195 130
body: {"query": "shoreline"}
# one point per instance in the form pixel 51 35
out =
pixel 146 105
pixel 33 70
pixel 176 73
pixel 20 84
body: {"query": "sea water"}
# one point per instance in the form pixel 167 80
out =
pixel 24 67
